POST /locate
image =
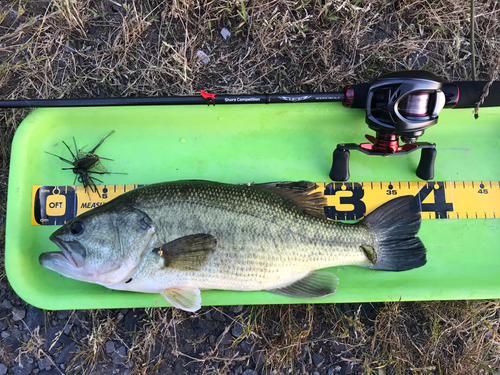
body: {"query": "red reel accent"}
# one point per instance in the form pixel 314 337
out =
pixel 386 143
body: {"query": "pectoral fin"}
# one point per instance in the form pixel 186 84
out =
pixel 315 285
pixel 188 253
pixel 188 299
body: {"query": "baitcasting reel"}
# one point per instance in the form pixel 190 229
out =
pixel 399 106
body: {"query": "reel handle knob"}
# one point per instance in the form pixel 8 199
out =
pixel 425 169
pixel 340 165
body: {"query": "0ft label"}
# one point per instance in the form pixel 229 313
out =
pixel 56 205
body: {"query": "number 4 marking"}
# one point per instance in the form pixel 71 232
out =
pixel 440 207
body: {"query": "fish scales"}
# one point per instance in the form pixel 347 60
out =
pixel 260 234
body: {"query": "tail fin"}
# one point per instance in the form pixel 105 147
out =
pixel 394 228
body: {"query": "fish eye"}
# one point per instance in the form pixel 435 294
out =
pixel 145 223
pixel 76 228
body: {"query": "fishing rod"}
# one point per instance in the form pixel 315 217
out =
pixel 203 98
pixel 399 106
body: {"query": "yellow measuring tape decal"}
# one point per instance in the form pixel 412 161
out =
pixel 55 205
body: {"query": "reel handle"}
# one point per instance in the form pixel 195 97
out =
pixel 340 165
pixel 340 162
pixel 425 169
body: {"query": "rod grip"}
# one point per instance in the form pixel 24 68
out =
pixel 340 165
pixel 469 93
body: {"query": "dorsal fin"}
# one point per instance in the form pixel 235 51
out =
pixel 300 193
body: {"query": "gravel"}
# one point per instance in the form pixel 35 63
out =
pixel 18 314
pixel 110 347
pixel 35 317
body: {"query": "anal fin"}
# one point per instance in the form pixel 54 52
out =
pixel 188 299
pixel 315 285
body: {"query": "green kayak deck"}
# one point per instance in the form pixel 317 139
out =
pixel 252 143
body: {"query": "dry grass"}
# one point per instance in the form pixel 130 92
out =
pixel 449 337
pixel 446 337
pixel 93 48
pixel 92 348
pixel 34 346
pixel 99 48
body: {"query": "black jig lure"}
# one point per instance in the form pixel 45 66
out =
pixel 82 164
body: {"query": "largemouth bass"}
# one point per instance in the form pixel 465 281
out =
pixel 177 238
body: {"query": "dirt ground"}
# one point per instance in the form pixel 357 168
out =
pixel 104 48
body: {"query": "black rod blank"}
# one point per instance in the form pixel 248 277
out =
pixel 175 100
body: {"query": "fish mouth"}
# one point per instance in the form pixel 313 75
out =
pixel 71 253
